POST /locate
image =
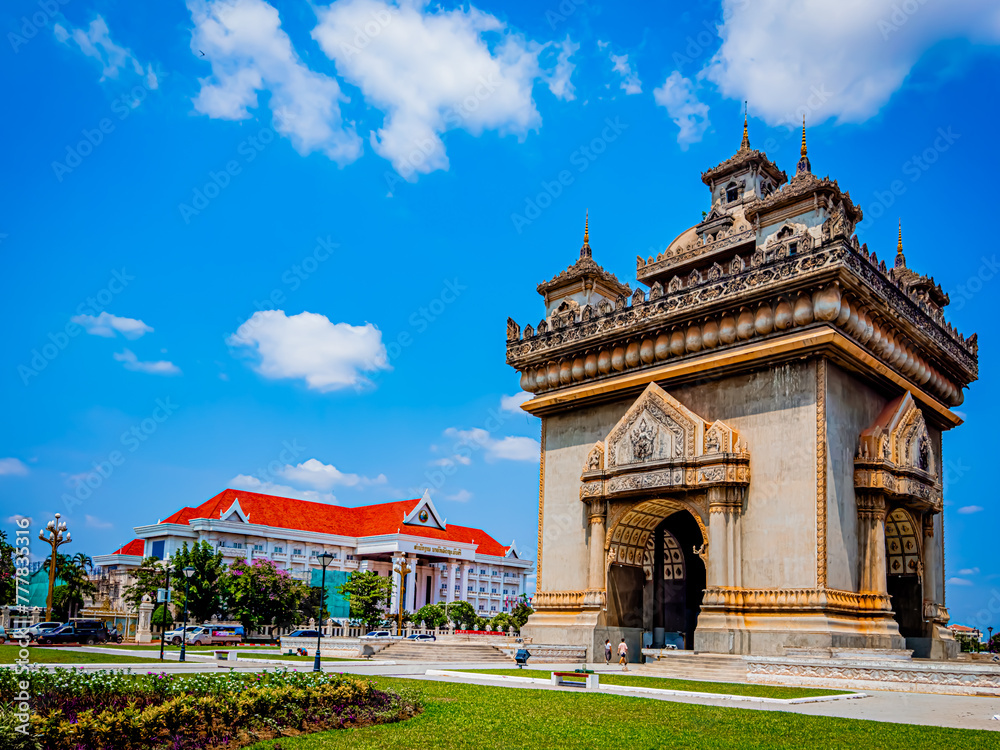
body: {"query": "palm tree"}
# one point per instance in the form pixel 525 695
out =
pixel 73 572
pixel 84 561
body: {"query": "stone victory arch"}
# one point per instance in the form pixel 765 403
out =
pixel 747 458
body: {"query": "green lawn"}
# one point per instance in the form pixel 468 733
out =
pixel 667 683
pixel 42 655
pixel 481 717
pixel 292 657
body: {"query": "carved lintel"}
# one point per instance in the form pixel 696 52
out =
pixel 598 511
pixel 871 505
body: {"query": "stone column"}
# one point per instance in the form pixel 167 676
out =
pixel 871 543
pixel 452 580
pixel 722 556
pixel 144 632
pixel 597 518
pixel 932 584
pixel 411 584
pixel 463 591
pixel 436 584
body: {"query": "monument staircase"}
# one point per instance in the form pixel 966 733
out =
pixel 439 652
pixel 690 665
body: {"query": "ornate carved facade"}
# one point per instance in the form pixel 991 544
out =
pixel 769 338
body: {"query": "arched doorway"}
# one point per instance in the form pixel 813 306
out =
pixel 656 578
pixel 903 574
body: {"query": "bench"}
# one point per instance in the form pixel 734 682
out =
pixel 226 655
pixel 591 680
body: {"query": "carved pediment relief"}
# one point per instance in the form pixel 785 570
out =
pixel 656 427
pixel 896 455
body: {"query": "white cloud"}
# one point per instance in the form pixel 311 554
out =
pixel 968 572
pixel 508 448
pixel 93 522
pixel 462 496
pixel 435 70
pixel 690 115
pixel 630 79
pixel 513 403
pixel 249 52
pixel 959 582
pixel 328 356
pixel 842 60
pixel 96 42
pixel 967 509
pixel 253 484
pixel 159 367
pixel 12 467
pixel 109 325
pixel 320 476
pixel 15 518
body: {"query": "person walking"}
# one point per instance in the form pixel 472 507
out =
pixel 623 655
pixel 607 652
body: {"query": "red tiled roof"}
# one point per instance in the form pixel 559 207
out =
pixel 135 547
pixel 304 515
pixel 963 628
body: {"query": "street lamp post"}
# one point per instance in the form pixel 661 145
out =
pixel 58 536
pixel 166 604
pixel 324 560
pixel 403 570
pixel 188 572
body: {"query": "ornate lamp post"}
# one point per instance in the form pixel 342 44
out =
pixel 188 572
pixel 58 536
pixel 166 604
pixel 403 570
pixel 325 559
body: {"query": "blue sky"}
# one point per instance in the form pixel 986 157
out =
pixel 287 236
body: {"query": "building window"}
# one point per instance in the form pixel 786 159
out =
pixel 296 551
pixel 732 192
pixel 493 608
pixel 158 549
pixel 470 589
pixel 258 548
pixel 482 590
pixel 278 550
pixel 482 572
pixel 237 545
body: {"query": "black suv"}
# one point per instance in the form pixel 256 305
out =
pixel 85 632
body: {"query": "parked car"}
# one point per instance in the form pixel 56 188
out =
pixel 85 632
pixel 3 635
pixel 377 635
pixel 305 634
pixel 421 637
pixel 174 636
pixel 211 635
pixel 33 632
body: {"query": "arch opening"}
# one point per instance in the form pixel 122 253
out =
pixel 904 573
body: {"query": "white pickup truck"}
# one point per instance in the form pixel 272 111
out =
pixel 211 636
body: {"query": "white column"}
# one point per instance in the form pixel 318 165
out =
pixel 411 583
pixel 436 584
pixel 452 580
pixel 463 591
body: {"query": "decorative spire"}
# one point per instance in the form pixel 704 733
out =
pixel 803 167
pixel 585 248
pixel 745 145
pixel 900 258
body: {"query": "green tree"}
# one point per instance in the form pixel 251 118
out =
pixel 205 586
pixel 8 583
pixel 161 617
pixel 519 615
pixel 76 584
pixel 462 614
pixel 260 595
pixel 149 576
pixel 502 622
pixel 431 615
pixel 367 592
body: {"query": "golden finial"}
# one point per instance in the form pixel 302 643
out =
pixel 900 258
pixel 585 248
pixel 803 151
pixel 745 145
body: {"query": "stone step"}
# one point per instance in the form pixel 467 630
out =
pixel 691 666
pixel 443 652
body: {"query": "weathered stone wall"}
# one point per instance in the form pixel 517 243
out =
pixel 774 411
pixel 852 407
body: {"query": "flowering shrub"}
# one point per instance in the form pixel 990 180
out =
pixel 77 710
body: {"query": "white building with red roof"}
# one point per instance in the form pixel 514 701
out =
pixel 448 562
